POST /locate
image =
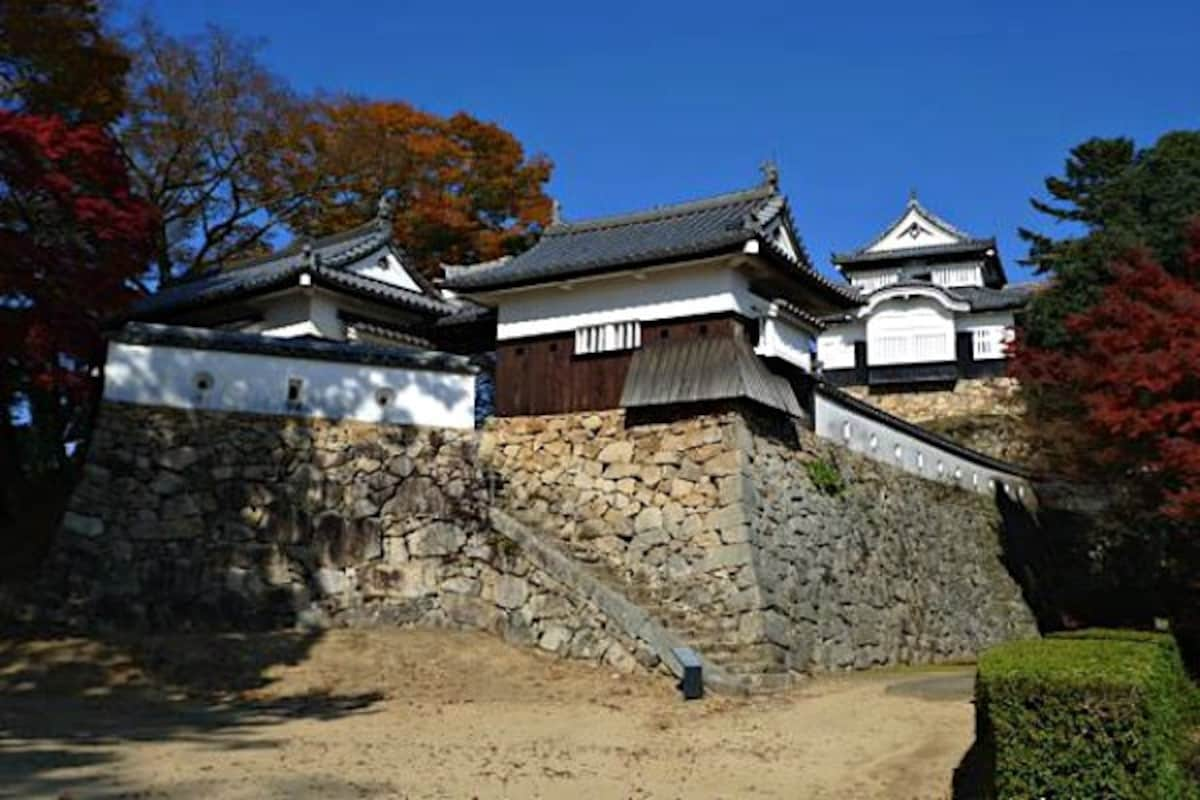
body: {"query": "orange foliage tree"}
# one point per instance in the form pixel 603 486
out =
pixel 465 190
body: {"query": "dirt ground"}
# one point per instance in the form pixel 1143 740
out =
pixel 422 714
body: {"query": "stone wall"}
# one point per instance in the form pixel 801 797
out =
pixel 984 414
pixel 597 536
pixel 862 565
pixel 974 397
pixel 658 506
pixel 717 522
pixel 244 521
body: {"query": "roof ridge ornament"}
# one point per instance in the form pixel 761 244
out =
pixel 555 212
pixel 385 210
pixel 770 173
pixel 312 258
pixel 912 197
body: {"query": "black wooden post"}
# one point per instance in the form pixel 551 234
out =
pixel 861 374
pixel 964 352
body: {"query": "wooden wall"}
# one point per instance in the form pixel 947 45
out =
pixel 544 376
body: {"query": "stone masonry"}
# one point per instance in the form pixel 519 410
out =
pixel 716 523
pixel 984 414
pixel 596 536
pixel 245 521
pixel 973 397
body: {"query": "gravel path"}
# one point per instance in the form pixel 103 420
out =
pixel 418 714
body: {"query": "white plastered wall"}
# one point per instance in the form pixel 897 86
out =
pixel 899 238
pixel 779 338
pixel 835 346
pixel 910 330
pixel 157 375
pixel 388 270
pixel 996 325
pixel 656 294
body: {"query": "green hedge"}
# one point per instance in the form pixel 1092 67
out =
pixel 1090 714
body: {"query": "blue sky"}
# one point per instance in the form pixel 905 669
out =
pixel 639 104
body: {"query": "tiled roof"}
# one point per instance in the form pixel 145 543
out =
pixel 799 313
pixel 399 336
pixel 979 298
pixel 692 229
pixel 466 313
pixel 329 260
pixel 859 257
pixel 983 298
pixel 304 347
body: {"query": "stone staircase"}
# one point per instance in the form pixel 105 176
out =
pixel 729 667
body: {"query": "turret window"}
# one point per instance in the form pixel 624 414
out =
pixel 295 393
pixel 608 338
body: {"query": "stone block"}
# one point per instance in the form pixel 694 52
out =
pixel 620 659
pixel 178 458
pixel 401 466
pixel 730 523
pixel 330 582
pixel 472 612
pixel 555 638
pixel 510 592
pixel 545 605
pixel 725 556
pixel 727 463
pixel 168 483
pixel 648 519
pixel 618 452
pixel 436 539
pixel 587 644
pixel 183 505
pixel 417 495
pixel 461 585
pixel 82 525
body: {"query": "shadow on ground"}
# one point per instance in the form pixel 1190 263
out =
pixel 66 704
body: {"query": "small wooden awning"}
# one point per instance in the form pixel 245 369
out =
pixel 699 370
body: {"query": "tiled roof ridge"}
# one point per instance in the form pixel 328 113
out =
pixel 666 212
pixel 300 347
pixel 862 256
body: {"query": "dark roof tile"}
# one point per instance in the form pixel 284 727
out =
pixel 329 259
pixel 691 229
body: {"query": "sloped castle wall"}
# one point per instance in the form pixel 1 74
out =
pixel 766 546
pixel 252 521
pixel 862 565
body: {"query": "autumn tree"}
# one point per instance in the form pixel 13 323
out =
pixel 1120 407
pixel 217 143
pixel 72 235
pixel 55 58
pixel 1130 386
pixel 465 189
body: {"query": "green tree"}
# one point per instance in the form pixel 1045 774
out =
pixel 1113 197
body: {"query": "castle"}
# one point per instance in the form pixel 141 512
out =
pixel 672 458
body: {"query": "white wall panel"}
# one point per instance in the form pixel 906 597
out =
pixel 171 376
